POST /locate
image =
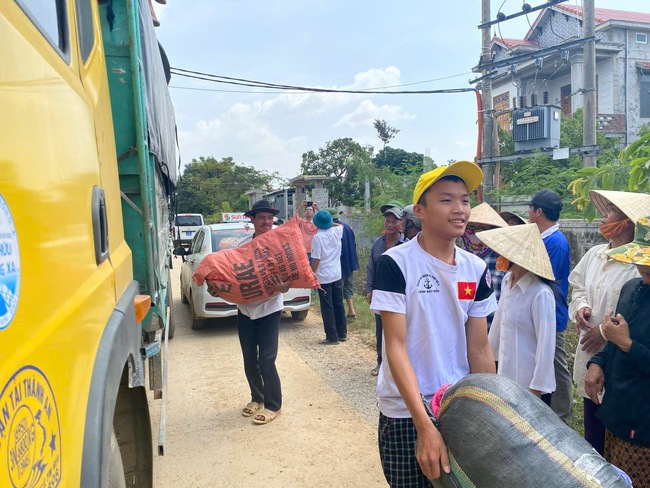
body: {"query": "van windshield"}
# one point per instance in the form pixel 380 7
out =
pixel 193 220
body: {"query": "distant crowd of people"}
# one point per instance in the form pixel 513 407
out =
pixel 459 290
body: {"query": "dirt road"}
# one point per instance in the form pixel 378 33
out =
pixel 325 435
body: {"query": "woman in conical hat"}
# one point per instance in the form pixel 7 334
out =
pixel 623 367
pixel 522 335
pixel 596 283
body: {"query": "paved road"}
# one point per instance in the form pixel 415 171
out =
pixel 325 436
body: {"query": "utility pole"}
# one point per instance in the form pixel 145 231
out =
pixel 487 119
pixel 589 79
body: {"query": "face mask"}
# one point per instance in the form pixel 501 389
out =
pixel 502 264
pixel 609 231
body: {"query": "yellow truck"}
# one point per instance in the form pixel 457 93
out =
pixel 88 171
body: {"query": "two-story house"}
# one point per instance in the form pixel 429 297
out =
pixel 622 68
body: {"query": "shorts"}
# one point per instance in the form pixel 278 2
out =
pixel 348 286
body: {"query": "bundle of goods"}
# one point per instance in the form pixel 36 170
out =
pixel 499 435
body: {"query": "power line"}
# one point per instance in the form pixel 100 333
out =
pixel 260 84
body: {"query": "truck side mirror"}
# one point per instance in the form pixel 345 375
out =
pixel 180 251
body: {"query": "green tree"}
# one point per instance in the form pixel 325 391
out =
pixel 384 131
pixel 399 161
pixel 346 163
pixel 209 186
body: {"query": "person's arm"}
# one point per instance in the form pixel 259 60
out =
pixel 580 306
pixel 370 272
pixel 431 451
pixel 617 331
pixel 314 264
pixel 301 209
pixel 479 352
pixel 279 285
pixel 595 382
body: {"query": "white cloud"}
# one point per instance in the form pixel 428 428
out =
pixel 367 111
pixel 273 133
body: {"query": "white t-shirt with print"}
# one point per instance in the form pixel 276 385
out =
pixel 326 246
pixel 437 299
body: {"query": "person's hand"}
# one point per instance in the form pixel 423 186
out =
pixel 617 331
pixel 592 341
pixel 594 382
pixel 213 289
pixel 316 207
pixel 302 205
pixel 369 297
pixel 431 452
pixel 279 285
pixel 582 319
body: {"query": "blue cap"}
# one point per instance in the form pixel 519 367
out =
pixel 323 219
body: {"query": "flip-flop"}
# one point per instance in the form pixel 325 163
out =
pixel 252 408
pixel 265 416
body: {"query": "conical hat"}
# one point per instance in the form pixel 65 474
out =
pixel 522 245
pixel 634 205
pixel 507 215
pixel 486 215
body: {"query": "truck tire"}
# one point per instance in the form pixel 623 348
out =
pixel 115 468
pixel 301 315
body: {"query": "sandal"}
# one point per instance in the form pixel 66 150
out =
pixel 374 371
pixel 265 416
pixel 252 408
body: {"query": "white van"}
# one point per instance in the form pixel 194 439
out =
pixel 185 226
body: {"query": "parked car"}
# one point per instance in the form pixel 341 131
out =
pixel 214 238
pixel 185 227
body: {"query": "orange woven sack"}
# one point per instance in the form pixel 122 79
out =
pixel 242 273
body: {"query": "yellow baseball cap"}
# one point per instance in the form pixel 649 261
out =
pixel 469 172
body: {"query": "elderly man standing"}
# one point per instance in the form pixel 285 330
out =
pixel 544 210
pixel 258 325
pixel 391 237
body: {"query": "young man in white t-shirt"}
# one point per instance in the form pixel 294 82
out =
pixel 326 263
pixel 434 299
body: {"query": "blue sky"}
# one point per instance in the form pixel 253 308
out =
pixel 335 44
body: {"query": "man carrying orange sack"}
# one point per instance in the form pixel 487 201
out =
pixel 258 325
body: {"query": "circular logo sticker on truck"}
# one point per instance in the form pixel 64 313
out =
pixel 9 266
pixel 30 440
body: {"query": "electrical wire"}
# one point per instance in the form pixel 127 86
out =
pixel 261 84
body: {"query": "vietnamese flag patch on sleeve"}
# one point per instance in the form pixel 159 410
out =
pixel 466 290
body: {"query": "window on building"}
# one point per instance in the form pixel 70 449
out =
pixel 641 38
pixel 49 16
pixel 565 100
pixel 645 97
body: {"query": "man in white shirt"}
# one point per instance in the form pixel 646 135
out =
pixel 326 249
pixel 596 282
pixel 258 325
pixel 434 299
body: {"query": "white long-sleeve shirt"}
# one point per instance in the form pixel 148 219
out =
pixel 596 281
pixel 522 335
